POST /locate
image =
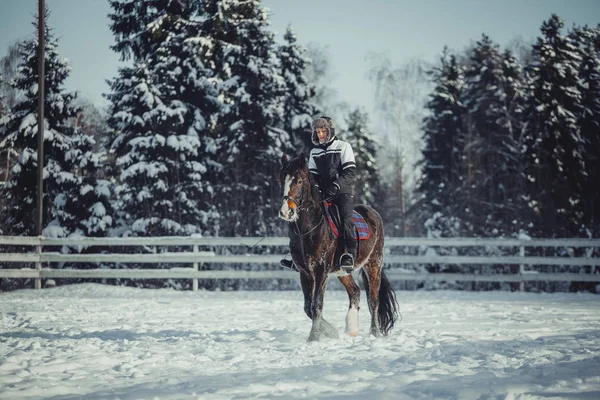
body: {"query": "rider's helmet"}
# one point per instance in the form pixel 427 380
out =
pixel 323 122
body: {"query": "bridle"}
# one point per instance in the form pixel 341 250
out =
pixel 299 208
pixel 295 201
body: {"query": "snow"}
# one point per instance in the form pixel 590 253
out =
pixel 107 342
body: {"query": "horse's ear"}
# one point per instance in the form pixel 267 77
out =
pixel 284 159
pixel 302 160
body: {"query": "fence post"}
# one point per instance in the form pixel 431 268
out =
pixel 38 265
pixel 195 280
pixel 522 269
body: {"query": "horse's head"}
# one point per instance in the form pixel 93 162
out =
pixel 296 183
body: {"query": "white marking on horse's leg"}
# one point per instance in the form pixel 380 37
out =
pixel 352 321
pixel 285 208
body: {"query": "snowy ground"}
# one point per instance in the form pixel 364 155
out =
pixel 101 342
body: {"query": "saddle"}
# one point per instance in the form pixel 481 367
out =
pixel 362 230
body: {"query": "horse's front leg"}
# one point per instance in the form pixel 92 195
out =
pixel 320 327
pixel 308 287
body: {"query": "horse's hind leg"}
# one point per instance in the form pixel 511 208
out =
pixel 354 297
pixel 372 276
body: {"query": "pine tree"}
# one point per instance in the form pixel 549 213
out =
pixel 159 179
pixel 489 143
pixel 553 145
pixel 251 94
pixel 162 110
pixel 588 42
pixel 511 177
pixel 442 176
pixel 67 152
pixel 365 152
pixel 299 108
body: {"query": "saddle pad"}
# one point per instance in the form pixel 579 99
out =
pixel 362 228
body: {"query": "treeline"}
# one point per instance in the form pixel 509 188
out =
pixel 198 119
pixel 512 145
pixel 209 100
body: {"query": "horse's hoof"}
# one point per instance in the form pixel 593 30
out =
pixel 353 333
pixel 329 330
pixel 322 328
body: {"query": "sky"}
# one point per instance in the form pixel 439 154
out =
pixel 350 30
pixel 92 341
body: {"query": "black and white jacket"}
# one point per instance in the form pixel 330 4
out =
pixel 333 164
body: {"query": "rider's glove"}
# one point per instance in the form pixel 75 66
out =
pixel 332 190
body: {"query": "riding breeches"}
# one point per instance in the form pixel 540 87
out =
pixel 345 203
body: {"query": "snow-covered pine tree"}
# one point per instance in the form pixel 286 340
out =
pixel 514 87
pixel 161 115
pixel 554 153
pixel 442 175
pixel 159 178
pixel 365 148
pixel 67 152
pixel 245 61
pixel 299 107
pixel 489 142
pixel 588 41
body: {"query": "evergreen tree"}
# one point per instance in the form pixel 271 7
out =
pixel 588 42
pixel 67 152
pixel 489 144
pixel 159 179
pixel 161 117
pixel 553 146
pixel 442 176
pixel 299 108
pixel 251 94
pixel 365 151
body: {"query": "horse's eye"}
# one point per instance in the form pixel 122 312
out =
pixel 299 180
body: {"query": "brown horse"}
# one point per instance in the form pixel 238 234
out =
pixel 313 248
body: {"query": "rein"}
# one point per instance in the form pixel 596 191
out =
pixel 298 233
pixel 300 208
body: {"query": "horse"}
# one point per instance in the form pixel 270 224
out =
pixel 313 250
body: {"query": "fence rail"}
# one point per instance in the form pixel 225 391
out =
pixel 196 257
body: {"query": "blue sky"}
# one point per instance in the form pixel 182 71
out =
pixel 404 30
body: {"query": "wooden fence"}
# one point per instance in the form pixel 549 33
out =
pixel 430 247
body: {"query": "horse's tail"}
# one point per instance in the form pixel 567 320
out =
pixel 388 305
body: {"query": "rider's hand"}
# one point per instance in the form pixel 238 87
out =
pixel 332 190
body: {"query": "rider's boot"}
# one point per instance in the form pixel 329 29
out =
pixel 288 264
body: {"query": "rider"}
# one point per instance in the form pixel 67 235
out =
pixel 333 167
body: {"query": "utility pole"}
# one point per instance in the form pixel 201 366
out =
pixel 41 128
